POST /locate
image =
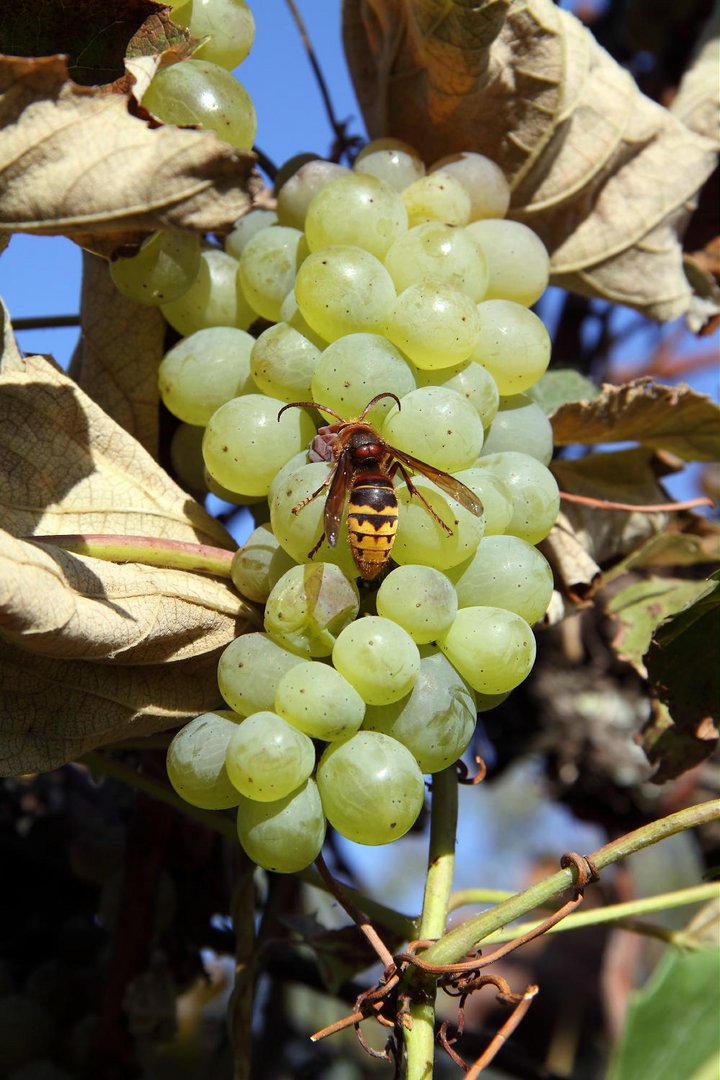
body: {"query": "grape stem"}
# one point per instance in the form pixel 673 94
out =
pixel 151 550
pixel 652 508
pixel 363 924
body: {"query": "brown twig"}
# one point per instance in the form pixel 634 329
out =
pixel 503 1034
pixel 355 914
pixel 463 773
pixel 45 322
pixel 652 508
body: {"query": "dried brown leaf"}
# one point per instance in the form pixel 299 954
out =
pixel 697 102
pixel 76 162
pixel 573 567
pixel 604 175
pixel 119 352
pixel 672 418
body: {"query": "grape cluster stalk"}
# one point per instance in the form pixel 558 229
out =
pixel 387 279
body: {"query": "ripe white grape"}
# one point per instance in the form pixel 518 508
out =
pixel 390 160
pixel 472 381
pixel 505 572
pixel 246 227
pixel 437 197
pixel 245 444
pixel 532 489
pixel 296 194
pixel 317 699
pixel 267 758
pixel 378 658
pixel 282 362
pixel 259 564
pixel 227 24
pixel 492 493
pixel 267 267
pixel 371 787
pixel 436 720
pixel 202 93
pixel 420 599
pixel 163 269
pixel 517 259
pixel 482 179
pixel 298 533
pixel 520 425
pixel 196 761
pixel 285 835
pixel 249 671
pixel 205 370
pixel 358 210
pixel 438 253
pixel 512 343
pixel 420 539
pixel 309 606
pixel 344 289
pixel 356 367
pixel 440 421
pixel 212 299
pixel 435 325
pixel 493 649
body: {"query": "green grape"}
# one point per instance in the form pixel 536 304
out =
pixel 259 564
pixel 494 496
pixel 435 721
pixel 371 787
pixel 291 314
pixel 440 421
pixel 196 761
pixel 296 194
pixel 437 197
pixel 420 539
pixel 520 425
pixel 486 702
pixel 435 325
pixel 227 24
pixel 226 494
pixel 267 758
pixel 309 606
pixel 512 343
pixel 298 533
pixel 285 835
pixel 505 572
pixel 493 649
pixel 205 370
pixel 378 658
pixel 358 210
pixel 266 271
pixel 356 367
pixel 532 489
pixel 436 252
pixel 472 381
pixel 293 165
pixel 212 298
pixel 246 227
pixel 163 269
pixel 344 289
pixel 420 599
pixel 245 444
pixel 317 699
pixel 196 92
pixel 390 160
pixel 518 262
pixel 249 671
pixel 186 457
pixel 283 361
pixel 482 179
pixel 296 462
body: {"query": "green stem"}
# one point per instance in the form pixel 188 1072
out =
pixel 419 1030
pixel 466 937
pixel 465 897
pixel 151 550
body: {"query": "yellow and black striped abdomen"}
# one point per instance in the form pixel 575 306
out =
pixel 372 519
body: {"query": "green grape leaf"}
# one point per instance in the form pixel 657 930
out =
pixel 671 1029
pixel 556 387
pixel 672 418
pixel 119 352
pixel 603 174
pixel 691 541
pixel 76 162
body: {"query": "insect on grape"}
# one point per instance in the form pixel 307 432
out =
pixel 364 467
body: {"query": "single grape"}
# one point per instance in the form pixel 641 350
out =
pixel 378 658
pixel 283 362
pixel 532 489
pixel 196 761
pixel 290 313
pixel 512 343
pixel 435 721
pixel 436 252
pixel 441 422
pixel 493 649
pixel 505 572
pixel 356 367
pixel 371 787
pixel 267 758
pixel 344 289
pixel 246 227
pixel 358 210
pixel 309 606
pixel 285 835
pixel 472 381
pixel 227 24
pixel 435 325
pixel 437 197
pixel 482 179
pixel 266 271
pixel 205 370
pixel 298 533
pixel 245 444
pixel 212 299
pixel 421 539
pixel 187 460
pixel 494 496
pixel 420 599
pixel 295 195
pixel 197 92
pixel 249 671
pixel 163 269
pixel 259 564
pixel 390 160
pixel 518 262
pixel 317 699
pixel 520 425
